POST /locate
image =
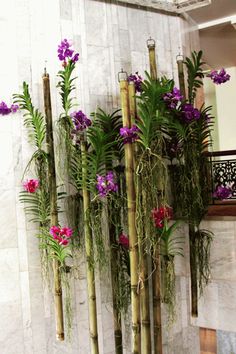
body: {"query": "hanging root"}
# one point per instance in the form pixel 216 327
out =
pixel 96 217
pixel 168 287
pixel 65 279
pixel 203 242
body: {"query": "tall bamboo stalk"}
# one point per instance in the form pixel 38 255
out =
pixel 53 205
pixel 152 58
pixel 180 66
pixel 133 239
pixel 144 289
pixel 156 277
pixel 89 256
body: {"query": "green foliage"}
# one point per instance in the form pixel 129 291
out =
pixel 191 172
pixel 171 245
pixel 101 153
pixel 195 74
pixel 66 85
pixel 152 111
pixel 37 205
pixel 33 119
pixel 110 124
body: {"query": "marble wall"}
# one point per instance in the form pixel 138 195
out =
pixel 109 37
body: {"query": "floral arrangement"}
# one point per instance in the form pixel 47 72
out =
pixel 119 171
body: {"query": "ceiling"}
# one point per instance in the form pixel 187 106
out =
pixel 218 39
pixel 217 9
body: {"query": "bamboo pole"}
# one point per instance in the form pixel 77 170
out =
pixel 152 58
pixel 89 256
pixel 133 239
pixel 180 66
pixel 144 289
pixel 53 205
pixel 156 276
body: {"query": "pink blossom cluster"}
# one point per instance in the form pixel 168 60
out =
pixel 31 185
pixel 61 235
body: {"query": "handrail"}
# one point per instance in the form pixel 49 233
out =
pixel 220 153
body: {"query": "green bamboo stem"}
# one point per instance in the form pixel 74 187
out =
pixel 132 102
pixel 133 239
pixel 156 277
pixel 89 256
pixel 53 205
pixel 152 60
pixel 181 78
pixel 144 289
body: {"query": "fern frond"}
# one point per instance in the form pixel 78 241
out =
pixel 195 74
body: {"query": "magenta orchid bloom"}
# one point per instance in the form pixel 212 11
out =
pixel 219 78
pixel 5 110
pixel 65 53
pixel 61 235
pixel 31 185
pixel 106 184
pixel 124 241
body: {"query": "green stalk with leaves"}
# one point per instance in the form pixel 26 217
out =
pixel 142 242
pixel 89 255
pixel 110 125
pixel 53 204
pixel 77 168
pixel 192 128
pixel 37 201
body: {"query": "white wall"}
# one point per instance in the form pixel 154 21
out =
pixel 222 98
pixel 108 37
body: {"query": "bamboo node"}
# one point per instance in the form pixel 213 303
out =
pixel 93 336
pixel 134 288
pixel 60 336
pixel 136 328
pixel 58 292
pixel 145 323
